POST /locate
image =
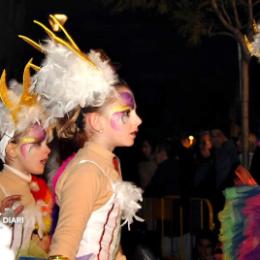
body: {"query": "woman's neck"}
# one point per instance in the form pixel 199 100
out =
pixel 24 176
pixel 103 144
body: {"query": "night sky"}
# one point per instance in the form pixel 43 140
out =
pixel 178 88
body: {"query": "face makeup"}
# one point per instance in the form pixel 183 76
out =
pixel 35 136
pixel 121 112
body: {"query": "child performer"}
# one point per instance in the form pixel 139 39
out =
pixel 23 151
pixel 90 192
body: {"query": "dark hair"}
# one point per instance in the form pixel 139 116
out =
pixel 169 146
pixel 150 141
pixel 209 235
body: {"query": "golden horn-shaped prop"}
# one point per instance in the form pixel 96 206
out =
pixel 255 29
pixel 55 21
pixel 248 45
pixel 64 43
pixel 35 67
pixel 62 18
pixel 4 92
pixel 31 42
pixel 71 45
pixel 27 98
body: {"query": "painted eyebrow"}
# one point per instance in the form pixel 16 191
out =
pixel 121 108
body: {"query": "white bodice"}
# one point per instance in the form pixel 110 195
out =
pixel 101 236
pixel 102 233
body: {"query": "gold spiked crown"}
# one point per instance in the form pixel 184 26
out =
pixel 66 68
pixel 26 98
pixel 56 22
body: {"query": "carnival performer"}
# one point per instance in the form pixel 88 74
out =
pixel 90 192
pixel 23 152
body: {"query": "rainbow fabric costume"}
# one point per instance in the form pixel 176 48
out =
pixel 240 218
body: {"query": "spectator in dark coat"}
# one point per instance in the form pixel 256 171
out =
pixel 255 164
pixel 166 179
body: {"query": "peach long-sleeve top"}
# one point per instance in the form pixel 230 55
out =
pixel 81 189
pixel 14 185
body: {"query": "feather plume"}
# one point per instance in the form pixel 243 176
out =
pixel 5 240
pixel 67 81
pixel 128 196
pixel 254 46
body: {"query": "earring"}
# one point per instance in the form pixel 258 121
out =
pixel 100 131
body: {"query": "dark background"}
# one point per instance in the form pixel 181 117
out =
pixel 178 88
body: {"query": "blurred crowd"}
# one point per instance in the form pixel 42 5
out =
pixel 193 166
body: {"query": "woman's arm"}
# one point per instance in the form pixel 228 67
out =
pixel 120 255
pixel 77 199
pixel 8 202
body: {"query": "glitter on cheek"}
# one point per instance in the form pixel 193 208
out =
pixel 35 135
pixel 116 120
pixel 26 149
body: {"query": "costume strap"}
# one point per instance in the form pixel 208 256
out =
pixel 99 167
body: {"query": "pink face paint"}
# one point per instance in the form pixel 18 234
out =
pixel 128 99
pixel 116 120
pixel 120 114
pixel 25 149
pixel 36 135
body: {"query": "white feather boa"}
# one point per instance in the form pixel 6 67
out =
pixel 23 233
pixel 256 46
pixel 128 196
pixel 5 239
pixel 256 43
pixel 67 80
pixel 7 123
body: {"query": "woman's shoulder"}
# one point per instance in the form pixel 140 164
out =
pixel 81 169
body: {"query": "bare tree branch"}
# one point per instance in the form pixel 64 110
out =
pixel 250 13
pixel 241 40
pixel 229 26
pixel 225 12
pixel 237 20
pixel 234 30
pixel 224 33
pixel 256 2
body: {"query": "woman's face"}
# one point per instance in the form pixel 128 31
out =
pixel 121 120
pixel 205 141
pixel 32 150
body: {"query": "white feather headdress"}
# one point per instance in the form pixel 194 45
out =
pixel 254 46
pixel 68 77
pixel 18 108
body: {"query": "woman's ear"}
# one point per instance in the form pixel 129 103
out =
pixel 93 122
pixel 11 151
